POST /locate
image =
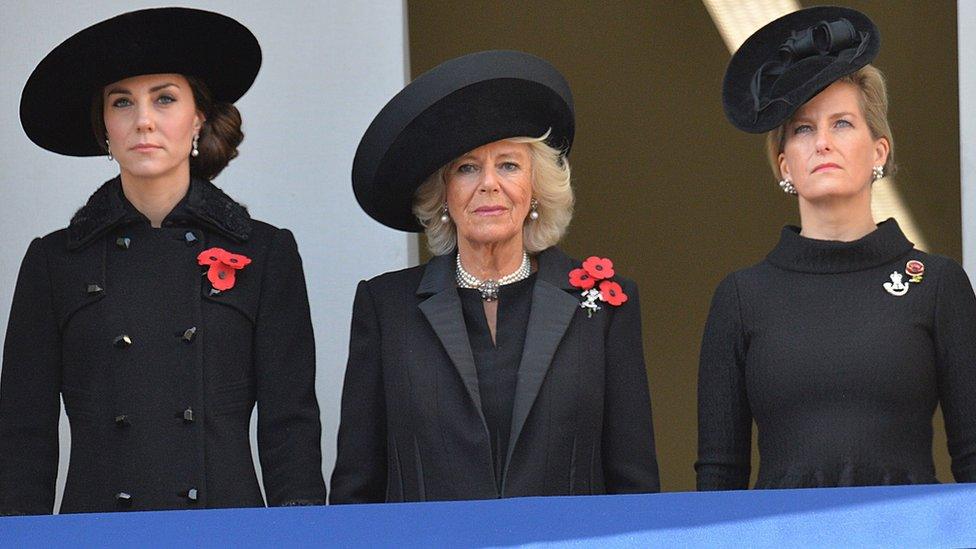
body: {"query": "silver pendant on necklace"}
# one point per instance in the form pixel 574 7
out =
pixel 489 288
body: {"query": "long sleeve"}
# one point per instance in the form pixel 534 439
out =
pixel 629 458
pixel 30 386
pixel 360 474
pixel 289 431
pixel 724 415
pixel 955 337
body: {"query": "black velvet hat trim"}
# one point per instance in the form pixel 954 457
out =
pixel 55 106
pixel 789 61
pixel 455 107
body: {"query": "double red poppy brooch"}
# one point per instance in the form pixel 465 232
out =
pixel 597 271
pixel 223 267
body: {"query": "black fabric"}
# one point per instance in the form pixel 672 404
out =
pixel 212 47
pixel 790 60
pixel 841 377
pixel 449 110
pixel 497 361
pixel 412 426
pixel 168 409
pixel 204 203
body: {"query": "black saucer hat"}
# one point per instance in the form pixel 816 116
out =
pixel 449 110
pixel 789 61
pixel 55 106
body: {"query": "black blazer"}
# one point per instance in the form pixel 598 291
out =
pixel 159 418
pixel 411 426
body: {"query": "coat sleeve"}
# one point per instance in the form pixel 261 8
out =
pixel 30 386
pixel 360 474
pixel 289 431
pixel 629 457
pixel 724 414
pixel 955 338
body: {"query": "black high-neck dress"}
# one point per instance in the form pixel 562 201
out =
pixel 841 375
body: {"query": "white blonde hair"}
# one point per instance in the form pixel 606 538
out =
pixel 550 187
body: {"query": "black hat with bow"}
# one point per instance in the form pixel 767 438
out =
pixel 56 104
pixel 789 61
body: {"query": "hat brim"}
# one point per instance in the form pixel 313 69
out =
pixel 458 106
pixel 56 103
pixel 799 86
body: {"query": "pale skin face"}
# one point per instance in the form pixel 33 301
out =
pixel 828 155
pixel 150 121
pixel 489 191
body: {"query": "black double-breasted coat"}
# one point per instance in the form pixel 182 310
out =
pixel 412 428
pixel 159 374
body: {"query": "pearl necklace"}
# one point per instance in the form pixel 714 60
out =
pixel 489 288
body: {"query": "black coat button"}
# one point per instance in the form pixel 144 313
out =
pixel 93 289
pixel 123 499
pixel 123 242
pixel 122 421
pixel 122 341
pixel 187 415
pixel 189 334
pixel 190 238
pixel 191 495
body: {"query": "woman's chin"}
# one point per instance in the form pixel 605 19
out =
pixel 491 236
pixel 828 191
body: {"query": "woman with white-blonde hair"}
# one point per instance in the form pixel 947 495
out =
pixel 501 367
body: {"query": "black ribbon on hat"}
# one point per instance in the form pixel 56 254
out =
pixel 835 38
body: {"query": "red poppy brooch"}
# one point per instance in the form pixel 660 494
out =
pixel 223 267
pixel 597 271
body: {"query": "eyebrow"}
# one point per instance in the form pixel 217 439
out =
pixel 151 90
pixel 834 115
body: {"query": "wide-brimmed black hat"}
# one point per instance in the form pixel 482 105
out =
pixel 56 104
pixel 455 107
pixel 787 62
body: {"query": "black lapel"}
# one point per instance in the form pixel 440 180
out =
pixel 553 308
pixel 443 312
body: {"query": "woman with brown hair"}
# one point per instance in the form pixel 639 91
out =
pixel 163 312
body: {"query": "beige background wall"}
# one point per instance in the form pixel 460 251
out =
pixel 666 187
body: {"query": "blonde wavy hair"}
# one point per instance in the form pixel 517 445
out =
pixel 550 187
pixel 870 82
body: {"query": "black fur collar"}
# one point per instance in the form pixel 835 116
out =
pixel 205 202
